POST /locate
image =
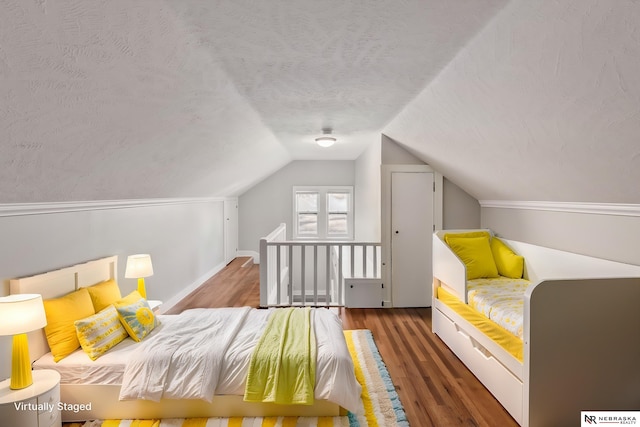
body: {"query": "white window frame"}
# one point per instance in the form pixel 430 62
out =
pixel 323 214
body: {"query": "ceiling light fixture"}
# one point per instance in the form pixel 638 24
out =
pixel 326 140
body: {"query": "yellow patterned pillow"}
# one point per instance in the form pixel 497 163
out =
pixel 104 294
pixel 61 314
pixel 476 254
pixel 100 332
pixel 509 263
pixel 136 315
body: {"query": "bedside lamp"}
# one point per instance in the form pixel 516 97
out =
pixel 138 267
pixel 19 314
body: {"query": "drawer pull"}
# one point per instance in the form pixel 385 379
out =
pixel 460 331
pixel 483 351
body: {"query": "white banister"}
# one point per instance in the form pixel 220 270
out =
pixel 299 276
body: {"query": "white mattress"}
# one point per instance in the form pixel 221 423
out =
pixel 77 368
pixel 332 374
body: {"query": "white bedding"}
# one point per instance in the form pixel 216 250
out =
pixel 186 335
pixel 77 368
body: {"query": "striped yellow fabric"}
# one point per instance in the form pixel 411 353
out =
pixel 366 399
pixel 100 332
pixel 233 422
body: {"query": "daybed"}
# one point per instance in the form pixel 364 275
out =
pixel 99 382
pixel 580 344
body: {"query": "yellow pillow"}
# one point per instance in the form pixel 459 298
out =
pixel 136 315
pixel 100 332
pixel 476 254
pixel 466 234
pixel 104 294
pixel 61 314
pixel 509 263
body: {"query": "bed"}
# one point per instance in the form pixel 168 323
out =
pixel 577 334
pixel 100 382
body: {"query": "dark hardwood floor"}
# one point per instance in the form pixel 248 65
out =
pixel 435 388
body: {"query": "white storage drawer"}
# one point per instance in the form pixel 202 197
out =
pixel 363 292
pixel 506 387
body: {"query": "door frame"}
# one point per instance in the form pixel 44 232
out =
pixel 230 230
pixel 386 171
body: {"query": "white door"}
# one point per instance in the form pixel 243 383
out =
pixel 411 230
pixel 230 230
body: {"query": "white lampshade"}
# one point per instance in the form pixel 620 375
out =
pixel 138 266
pixel 21 313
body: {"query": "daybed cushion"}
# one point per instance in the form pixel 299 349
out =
pixel 104 294
pixel 136 315
pixel 476 254
pixel 100 332
pixel 509 263
pixel 501 300
pixel 61 314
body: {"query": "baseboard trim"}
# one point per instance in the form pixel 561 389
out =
pixel 174 300
pixel 253 254
pixel 620 209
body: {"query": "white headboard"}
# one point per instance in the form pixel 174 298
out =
pixel 57 283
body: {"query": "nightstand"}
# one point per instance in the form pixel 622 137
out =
pixel 154 304
pixel 33 406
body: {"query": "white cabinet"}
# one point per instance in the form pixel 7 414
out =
pixel 33 406
pixel 363 292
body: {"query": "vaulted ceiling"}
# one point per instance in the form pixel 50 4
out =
pixel 543 104
pixel 513 100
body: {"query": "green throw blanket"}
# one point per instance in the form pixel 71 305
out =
pixel 283 364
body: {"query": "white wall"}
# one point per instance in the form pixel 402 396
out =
pixel 613 237
pixel 269 203
pixel 460 210
pixel 394 153
pixel 185 242
pixel 367 194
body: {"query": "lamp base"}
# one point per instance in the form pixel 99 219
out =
pixel 20 365
pixel 141 289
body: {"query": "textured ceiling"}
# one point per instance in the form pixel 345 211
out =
pixel 544 104
pixel 346 65
pixel 511 100
pixel 119 99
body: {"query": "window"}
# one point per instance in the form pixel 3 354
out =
pixel 307 213
pixel 323 213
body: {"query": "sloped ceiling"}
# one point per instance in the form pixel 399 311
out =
pixel 543 104
pixel 511 100
pixel 118 99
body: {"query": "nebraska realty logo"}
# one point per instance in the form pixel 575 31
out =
pixel 620 418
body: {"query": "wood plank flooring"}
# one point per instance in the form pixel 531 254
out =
pixel 435 388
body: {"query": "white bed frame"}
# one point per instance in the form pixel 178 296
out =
pixel 104 398
pixel 581 345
